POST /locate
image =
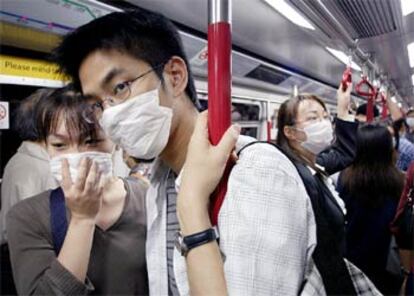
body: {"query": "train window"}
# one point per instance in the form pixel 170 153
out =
pixel 250 131
pixel 245 112
pixel 239 111
pixel 247 115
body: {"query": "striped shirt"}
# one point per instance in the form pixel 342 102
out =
pixel 172 229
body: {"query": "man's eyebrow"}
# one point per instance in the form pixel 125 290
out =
pixel 111 75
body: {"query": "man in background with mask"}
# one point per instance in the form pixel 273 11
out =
pixel 133 65
pixel 409 134
pixel 401 128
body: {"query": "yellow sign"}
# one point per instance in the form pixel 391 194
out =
pixel 23 67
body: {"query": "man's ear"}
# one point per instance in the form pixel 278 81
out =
pixel 177 73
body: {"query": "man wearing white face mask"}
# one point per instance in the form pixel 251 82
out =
pixel 134 66
pixel 409 134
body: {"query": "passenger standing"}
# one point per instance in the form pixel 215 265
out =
pixel 371 187
pixel 405 147
pixel 361 113
pixel 134 65
pixel 402 228
pixel 400 127
pixel 101 250
pixel 27 173
pixel 410 126
pixel 305 134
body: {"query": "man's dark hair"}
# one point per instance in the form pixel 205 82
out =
pixel 144 35
pixel 25 117
pixel 362 110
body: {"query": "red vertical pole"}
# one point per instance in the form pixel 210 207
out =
pixel 370 109
pixel 269 131
pixel 219 85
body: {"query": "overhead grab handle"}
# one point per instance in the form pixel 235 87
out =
pixel 347 75
pixel 371 94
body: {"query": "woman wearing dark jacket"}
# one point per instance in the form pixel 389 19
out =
pixel 305 135
pixel 371 188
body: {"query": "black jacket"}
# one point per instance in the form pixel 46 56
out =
pixel 342 153
pixel 330 220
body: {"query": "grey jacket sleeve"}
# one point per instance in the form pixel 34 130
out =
pixel 35 267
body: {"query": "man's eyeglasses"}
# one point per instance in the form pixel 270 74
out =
pixel 119 94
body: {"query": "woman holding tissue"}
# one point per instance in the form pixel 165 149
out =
pixel 86 237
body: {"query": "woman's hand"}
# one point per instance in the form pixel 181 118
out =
pixel 395 111
pixel 344 100
pixel 84 196
pixel 205 163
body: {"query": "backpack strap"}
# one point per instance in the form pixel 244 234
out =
pixel 58 221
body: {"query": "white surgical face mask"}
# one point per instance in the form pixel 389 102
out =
pixel 140 125
pixel 319 136
pixel 104 161
pixel 410 122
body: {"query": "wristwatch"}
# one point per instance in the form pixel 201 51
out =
pixel 186 243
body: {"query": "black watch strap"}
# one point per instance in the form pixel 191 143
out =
pixel 197 239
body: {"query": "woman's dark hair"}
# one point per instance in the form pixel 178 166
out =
pixel 64 105
pixel 24 123
pixel 373 177
pixel 287 114
pixel 142 34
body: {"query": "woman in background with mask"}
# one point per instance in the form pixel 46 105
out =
pixel 306 136
pixel 101 249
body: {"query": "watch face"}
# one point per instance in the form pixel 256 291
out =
pixel 180 245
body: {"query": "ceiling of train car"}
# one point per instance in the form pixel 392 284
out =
pixel 301 49
pixel 392 50
pixel 383 32
pixel 270 36
pixel 290 46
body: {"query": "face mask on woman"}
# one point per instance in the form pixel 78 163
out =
pixel 140 125
pixel 319 135
pixel 410 122
pixel 104 161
